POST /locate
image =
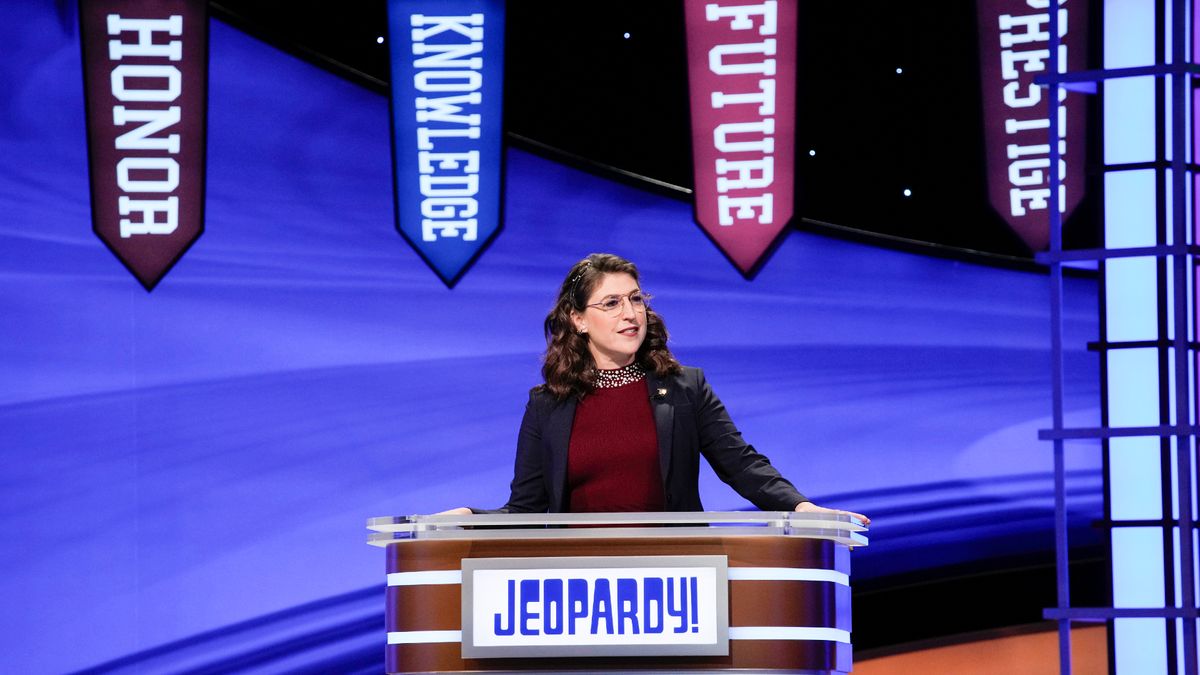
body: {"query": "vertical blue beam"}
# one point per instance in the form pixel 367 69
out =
pixel 1180 268
pixel 1061 550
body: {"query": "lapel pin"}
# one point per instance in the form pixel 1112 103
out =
pixel 662 392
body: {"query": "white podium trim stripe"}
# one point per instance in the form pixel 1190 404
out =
pixel 411 637
pixel 423 637
pixel 788 633
pixel 428 578
pixel 787 574
pixel 434 577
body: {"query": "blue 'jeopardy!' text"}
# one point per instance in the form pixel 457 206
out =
pixel 636 606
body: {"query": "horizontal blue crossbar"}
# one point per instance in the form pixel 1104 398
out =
pixel 1116 73
pixel 1108 253
pixel 1116 432
pixel 1102 613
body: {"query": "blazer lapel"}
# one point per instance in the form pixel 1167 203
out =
pixel 557 439
pixel 664 419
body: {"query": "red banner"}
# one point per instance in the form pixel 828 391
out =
pixel 145 71
pixel 1014 44
pixel 742 82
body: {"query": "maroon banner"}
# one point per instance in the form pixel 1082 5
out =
pixel 742 83
pixel 1014 44
pixel 145 72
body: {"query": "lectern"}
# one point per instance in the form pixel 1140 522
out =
pixel 605 592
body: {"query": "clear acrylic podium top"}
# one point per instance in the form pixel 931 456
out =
pixel 842 529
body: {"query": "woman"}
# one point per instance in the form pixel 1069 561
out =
pixel 619 424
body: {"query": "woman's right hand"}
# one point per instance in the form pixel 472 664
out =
pixel 460 511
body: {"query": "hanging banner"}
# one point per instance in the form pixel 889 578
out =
pixel 145 72
pixel 1014 46
pixel 742 86
pixel 447 59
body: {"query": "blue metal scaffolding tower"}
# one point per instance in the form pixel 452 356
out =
pixel 1147 344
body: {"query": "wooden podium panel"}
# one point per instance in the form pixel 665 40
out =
pixel 785 593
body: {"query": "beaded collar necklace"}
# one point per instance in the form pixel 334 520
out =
pixel 611 379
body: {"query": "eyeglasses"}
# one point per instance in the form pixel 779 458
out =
pixel 611 304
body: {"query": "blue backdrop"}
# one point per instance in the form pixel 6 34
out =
pixel 187 473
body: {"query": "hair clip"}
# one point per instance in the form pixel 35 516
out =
pixel 575 279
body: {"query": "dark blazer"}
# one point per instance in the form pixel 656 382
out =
pixel 690 421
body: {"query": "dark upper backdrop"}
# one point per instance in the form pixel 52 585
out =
pixel 575 83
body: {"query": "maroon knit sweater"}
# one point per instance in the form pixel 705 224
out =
pixel 612 460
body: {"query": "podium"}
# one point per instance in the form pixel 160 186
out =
pixel 753 592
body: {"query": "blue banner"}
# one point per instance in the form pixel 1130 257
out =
pixel 447 59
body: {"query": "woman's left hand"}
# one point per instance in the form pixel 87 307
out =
pixel 809 507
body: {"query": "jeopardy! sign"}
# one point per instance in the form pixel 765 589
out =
pixel 145 68
pixel 447 67
pixel 742 86
pixel 595 606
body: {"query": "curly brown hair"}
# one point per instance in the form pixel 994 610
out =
pixel 567 366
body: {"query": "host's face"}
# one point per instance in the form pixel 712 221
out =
pixel 614 321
